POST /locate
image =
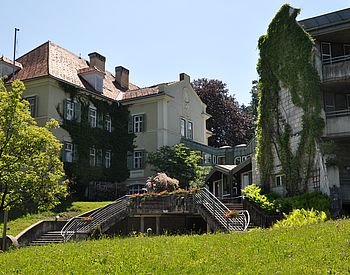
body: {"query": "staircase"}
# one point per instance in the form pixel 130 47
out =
pixel 213 212
pixel 80 227
pixel 48 238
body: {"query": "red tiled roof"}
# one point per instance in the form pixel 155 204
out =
pixel 50 59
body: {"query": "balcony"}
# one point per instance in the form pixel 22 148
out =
pixel 338 123
pixel 336 68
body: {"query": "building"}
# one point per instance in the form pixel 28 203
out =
pixel 330 167
pixel 107 123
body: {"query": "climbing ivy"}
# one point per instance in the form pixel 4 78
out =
pixel 286 62
pixel 84 137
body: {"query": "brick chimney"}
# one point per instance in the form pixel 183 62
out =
pixel 122 77
pixel 185 77
pixel 97 60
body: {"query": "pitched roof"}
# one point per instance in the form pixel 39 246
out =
pixel 50 59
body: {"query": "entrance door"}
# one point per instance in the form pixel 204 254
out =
pixel 217 188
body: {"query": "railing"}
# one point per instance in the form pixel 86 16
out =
pixel 331 59
pixel 204 198
pixel 258 216
pixel 345 112
pixel 103 217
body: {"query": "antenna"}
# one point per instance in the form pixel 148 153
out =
pixel 14 53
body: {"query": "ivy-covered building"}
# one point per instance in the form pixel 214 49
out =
pixel 303 132
pixel 107 123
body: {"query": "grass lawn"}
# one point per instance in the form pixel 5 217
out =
pixel 314 249
pixel 19 221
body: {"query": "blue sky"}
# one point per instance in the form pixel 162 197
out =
pixel 155 39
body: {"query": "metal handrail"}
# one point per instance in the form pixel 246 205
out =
pixel 79 225
pixel 336 59
pixel 344 112
pixel 218 210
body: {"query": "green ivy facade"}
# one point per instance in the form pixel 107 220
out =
pixel 118 141
pixel 286 62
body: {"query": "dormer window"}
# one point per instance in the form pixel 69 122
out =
pixel 98 83
pixel 94 77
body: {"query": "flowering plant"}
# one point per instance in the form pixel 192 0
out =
pixel 161 182
pixel 232 214
pixel 87 219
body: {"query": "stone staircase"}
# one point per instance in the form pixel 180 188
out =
pixel 48 238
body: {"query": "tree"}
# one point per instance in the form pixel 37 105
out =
pixel 252 108
pixel 30 167
pixel 179 162
pixel 228 123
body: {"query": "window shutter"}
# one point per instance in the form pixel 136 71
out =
pixel 130 124
pixel 65 109
pixel 143 159
pixel 129 160
pixel 36 106
pixel 143 123
pixel 77 111
pixel 63 152
pixel 75 153
pixel 100 120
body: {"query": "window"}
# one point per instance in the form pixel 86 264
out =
pixel 138 123
pixel 189 130
pixel 279 179
pixel 92 117
pixel 32 100
pixel 329 102
pixel 183 127
pixel 69 110
pixel 108 158
pixel 108 123
pixel 68 152
pixel 207 158
pixel 92 157
pixel 138 159
pixel 316 179
pixel 99 157
pixel 237 160
pixel 98 83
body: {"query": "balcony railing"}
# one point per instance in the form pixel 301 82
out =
pixel 345 112
pixel 332 60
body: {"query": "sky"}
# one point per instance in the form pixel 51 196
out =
pixel 156 39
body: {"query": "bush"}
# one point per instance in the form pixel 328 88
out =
pixel 161 182
pixel 300 217
pixel 314 200
pixel 253 193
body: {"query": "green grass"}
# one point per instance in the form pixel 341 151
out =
pixel 315 249
pixel 20 221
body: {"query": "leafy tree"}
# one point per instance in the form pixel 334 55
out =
pixel 30 168
pixel 252 108
pixel 228 123
pixel 179 162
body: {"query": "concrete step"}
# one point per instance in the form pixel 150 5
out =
pixel 48 238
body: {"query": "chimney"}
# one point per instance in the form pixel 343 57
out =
pixel 97 60
pixel 185 77
pixel 122 77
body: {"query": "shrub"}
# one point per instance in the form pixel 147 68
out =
pixel 314 200
pixel 161 182
pixel 253 193
pixel 300 217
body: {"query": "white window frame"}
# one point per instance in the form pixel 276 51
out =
pixel 138 123
pixel 93 116
pixel 92 157
pixel 279 180
pixel 108 159
pixel 137 160
pixel 99 157
pixel 32 100
pixel 237 160
pixel 108 123
pixel 189 129
pixel 70 106
pixel 183 127
pixel 68 150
